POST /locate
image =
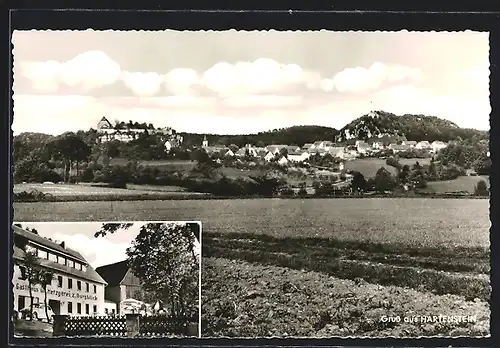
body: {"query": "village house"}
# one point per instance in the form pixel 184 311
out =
pixel 336 152
pixel 241 152
pixel 226 152
pixel 410 143
pixel 276 149
pixel 283 161
pixel 214 149
pixel 307 146
pixel 76 288
pixel 398 148
pixel 377 145
pixel 438 145
pixel 122 284
pixel 423 145
pixel 298 156
pixel 362 147
pixel 269 156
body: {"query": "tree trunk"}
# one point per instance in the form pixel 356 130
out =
pixel 31 299
pixel 77 168
pixel 45 303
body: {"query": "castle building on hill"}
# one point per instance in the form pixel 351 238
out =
pixel 205 142
pixel 126 132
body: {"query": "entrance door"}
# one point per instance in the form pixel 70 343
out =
pixel 21 302
pixel 56 306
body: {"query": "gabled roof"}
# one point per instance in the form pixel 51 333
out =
pixel 47 243
pixel 89 274
pixel 114 273
pixel 262 153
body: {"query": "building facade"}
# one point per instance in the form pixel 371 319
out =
pixel 76 288
pixel 122 284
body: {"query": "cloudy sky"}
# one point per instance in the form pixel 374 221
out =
pixel 80 237
pixel 242 82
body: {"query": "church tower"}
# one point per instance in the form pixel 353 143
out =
pixel 205 142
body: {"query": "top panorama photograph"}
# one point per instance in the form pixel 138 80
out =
pixel 342 178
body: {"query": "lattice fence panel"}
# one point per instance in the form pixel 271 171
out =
pixel 96 326
pixel 151 326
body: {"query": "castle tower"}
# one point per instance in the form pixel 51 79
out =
pixel 205 142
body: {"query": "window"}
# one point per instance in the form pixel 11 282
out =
pixel 79 285
pixel 43 254
pixel 61 260
pixel 59 281
pixel 79 266
pixel 87 287
pixel 95 289
pixel 79 308
pixel 31 249
pixel 23 275
pixel 53 257
pixel 70 307
pixel 87 308
pixel 70 283
pixel 84 268
pixel 106 311
pixel 71 263
pixel 95 308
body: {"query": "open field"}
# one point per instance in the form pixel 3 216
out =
pixel 160 164
pixel 369 166
pixel 463 183
pixel 92 190
pixel 237 173
pixel 461 222
pixel 266 301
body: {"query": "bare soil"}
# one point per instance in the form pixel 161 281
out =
pixel 242 299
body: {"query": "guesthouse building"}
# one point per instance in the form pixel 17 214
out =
pixel 76 288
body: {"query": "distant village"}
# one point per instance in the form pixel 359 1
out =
pixel 282 154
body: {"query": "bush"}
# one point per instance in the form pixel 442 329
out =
pixel 481 188
pixel 117 177
pixel 87 175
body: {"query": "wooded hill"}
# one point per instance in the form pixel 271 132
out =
pixel 411 127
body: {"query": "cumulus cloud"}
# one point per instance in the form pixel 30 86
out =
pixel 143 84
pixel 262 75
pixel 88 70
pixel 361 79
pixel 180 81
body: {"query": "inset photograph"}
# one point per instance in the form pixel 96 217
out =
pixel 99 279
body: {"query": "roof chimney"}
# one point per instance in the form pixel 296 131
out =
pixel 63 245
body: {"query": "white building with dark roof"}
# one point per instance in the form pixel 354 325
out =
pixel 76 288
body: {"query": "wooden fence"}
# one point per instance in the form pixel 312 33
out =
pixel 129 325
